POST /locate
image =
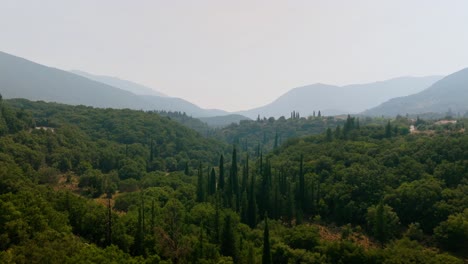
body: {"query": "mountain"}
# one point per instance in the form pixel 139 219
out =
pixel 21 78
pixel 175 104
pixel 335 100
pixel 450 93
pixel 121 84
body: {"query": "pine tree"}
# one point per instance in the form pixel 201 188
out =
pixel 266 257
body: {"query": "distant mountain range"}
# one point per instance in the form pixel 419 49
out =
pixel 448 94
pixel 135 88
pixel 21 78
pixel 335 100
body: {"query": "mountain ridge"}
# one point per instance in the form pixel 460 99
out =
pixel 335 100
pixel 449 93
pixel 22 78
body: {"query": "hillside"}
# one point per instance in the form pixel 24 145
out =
pixel 154 141
pixel 222 121
pixel 79 184
pixel 20 78
pixel 450 93
pixel 335 100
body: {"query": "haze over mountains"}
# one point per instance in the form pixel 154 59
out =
pixel 126 85
pixel 335 100
pixel 450 93
pixel 20 78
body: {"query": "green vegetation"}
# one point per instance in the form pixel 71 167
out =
pixel 79 184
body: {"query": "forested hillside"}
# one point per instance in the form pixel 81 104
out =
pixel 86 185
pixel 266 134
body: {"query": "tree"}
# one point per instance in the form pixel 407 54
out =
pixel 383 222
pixel 252 204
pixel 329 134
pixel 200 185
pixel 453 233
pixel 266 257
pixel 228 241
pixel 301 196
pixel 388 130
pixel 212 182
pixel 221 173
pixel 234 180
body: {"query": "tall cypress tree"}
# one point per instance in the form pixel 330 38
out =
pixel 200 185
pixel 388 130
pixel 245 174
pixel 212 182
pixel 252 206
pixel 228 243
pixel 329 136
pixel 221 173
pixel 266 257
pixel 234 179
pixel 301 183
pixel 276 140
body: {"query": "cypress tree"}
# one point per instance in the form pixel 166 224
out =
pixel 276 140
pixel 245 174
pixel 388 130
pixel 153 215
pixel 228 244
pixel 216 220
pixel 221 173
pixel 186 170
pixel 234 180
pixel 151 151
pixel 212 182
pixel 252 206
pixel 200 185
pixel 266 257
pixel 301 183
pixel 244 208
pixel 329 136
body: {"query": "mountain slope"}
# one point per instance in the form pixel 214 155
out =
pixel 21 78
pixel 222 121
pixel 449 93
pixel 334 100
pixel 121 84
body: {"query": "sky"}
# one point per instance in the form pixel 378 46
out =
pixel 241 54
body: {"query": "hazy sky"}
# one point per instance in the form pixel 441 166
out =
pixel 236 54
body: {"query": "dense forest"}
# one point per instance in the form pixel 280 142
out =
pixel 86 185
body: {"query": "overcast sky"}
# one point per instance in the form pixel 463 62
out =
pixel 236 55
